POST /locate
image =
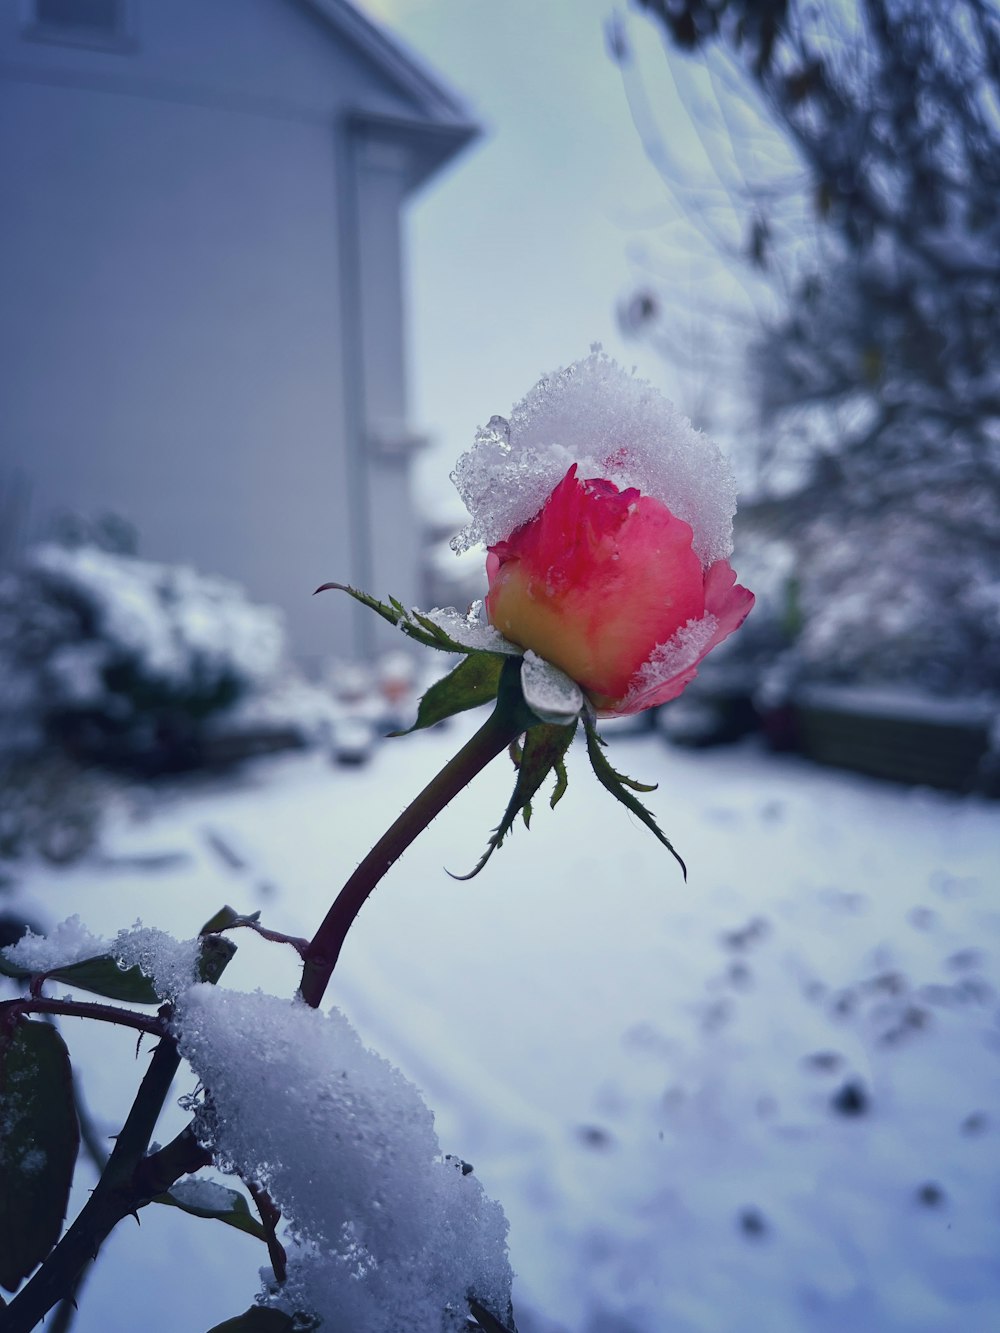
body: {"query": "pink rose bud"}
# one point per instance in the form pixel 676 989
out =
pixel 620 576
pixel 602 578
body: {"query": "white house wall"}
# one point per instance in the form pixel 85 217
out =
pixel 381 173
pixel 172 315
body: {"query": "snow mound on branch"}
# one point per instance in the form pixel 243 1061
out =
pixel 389 1234
pixel 170 963
pixel 612 425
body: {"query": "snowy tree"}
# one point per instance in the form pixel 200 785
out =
pixel 877 384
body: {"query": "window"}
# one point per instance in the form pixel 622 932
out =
pixel 102 23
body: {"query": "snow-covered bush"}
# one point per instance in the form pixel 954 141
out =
pixel 48 808
pixel 873 599
pixel 122 661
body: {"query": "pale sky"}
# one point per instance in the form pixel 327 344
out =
pixel 519 253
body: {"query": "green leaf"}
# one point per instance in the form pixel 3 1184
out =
pixel 258 1319
pixel 473 682
pixel 417 626
pixel 233 1210
pixel 224 919
pixel 618 785
pixel 100 976
pixel 40 1140
pixel 543 750
pixel 562 782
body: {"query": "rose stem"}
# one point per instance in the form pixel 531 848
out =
pixel 508 720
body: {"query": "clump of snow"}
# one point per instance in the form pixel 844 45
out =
pixel 68 942
pixel 389 1234
pixel 611 424
pixel 549 692
pixel 170 964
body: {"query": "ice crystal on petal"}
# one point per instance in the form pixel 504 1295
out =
pixel 682 651
pixel 611 424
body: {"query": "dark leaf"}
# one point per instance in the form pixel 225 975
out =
pixel 618 785
pixel 235 1211
pixel 489 1321
pixel 99 976
pixel 216 954
pixel 41 1137
pixel 473 682
pixel 543 750
pixel 257 1320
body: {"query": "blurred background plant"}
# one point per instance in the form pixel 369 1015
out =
pixel 872 247
pixel 116 667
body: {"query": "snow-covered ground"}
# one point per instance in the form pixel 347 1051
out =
pixel 768 1099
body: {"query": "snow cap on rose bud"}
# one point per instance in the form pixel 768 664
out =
pixel 608 520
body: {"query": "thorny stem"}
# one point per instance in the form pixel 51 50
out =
pixel 114 1197
pixel 270 1216
pixel 508 720
pixel 106 1013
pixel 130 1179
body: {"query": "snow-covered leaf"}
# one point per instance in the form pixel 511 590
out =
pixel 413 623
pixel 206 1198
pixel 100 976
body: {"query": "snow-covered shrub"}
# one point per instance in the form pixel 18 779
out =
pixel 49 808
pixel 122 661
pixel 874 599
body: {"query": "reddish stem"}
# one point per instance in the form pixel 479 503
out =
pixel 105 1013
pixel 503 726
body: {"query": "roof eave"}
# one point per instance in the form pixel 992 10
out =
pixel 431 97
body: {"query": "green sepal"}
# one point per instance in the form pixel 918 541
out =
pixel 488 1321
pixel 542 751
pixel 473 682
pixel 225 918
pixel 413 623
pixel 41 1138
pixel 100 975
pixel 259 1319
pixel 618 785
pixel 236 1214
